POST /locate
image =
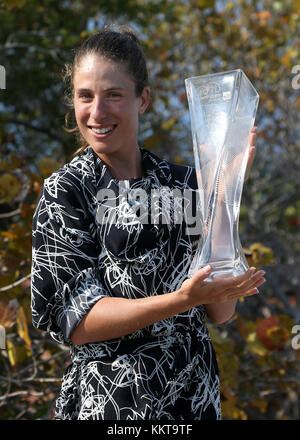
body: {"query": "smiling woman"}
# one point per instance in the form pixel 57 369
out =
pixel 128 57
pixel 107 110
pixel 117 291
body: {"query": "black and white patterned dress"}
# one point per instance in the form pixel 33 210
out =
pixel 91 239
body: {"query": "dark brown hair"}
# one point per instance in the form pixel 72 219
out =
pixel 121 46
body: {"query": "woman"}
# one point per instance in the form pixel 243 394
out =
pixel 109 282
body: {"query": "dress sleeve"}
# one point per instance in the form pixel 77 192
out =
pixel 65 279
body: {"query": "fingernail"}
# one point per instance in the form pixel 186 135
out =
pixel 262 281
pixel 206 269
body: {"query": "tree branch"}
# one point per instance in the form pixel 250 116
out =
pixel 38 129
pixel 11 213
pixel 16 283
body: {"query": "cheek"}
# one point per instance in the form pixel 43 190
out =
pixel 81 112
pixel 130 113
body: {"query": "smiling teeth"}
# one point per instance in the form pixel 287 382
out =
pixel 102 130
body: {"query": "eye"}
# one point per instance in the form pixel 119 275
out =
pixel 85 96
pixel 114 95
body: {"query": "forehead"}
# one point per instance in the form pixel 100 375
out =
pixel 93 69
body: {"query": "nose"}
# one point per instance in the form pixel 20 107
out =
pixel 99 109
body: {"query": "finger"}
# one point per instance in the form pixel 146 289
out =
pixel 253 139
pixel 255 278
pixel 235 281
pixel 253 133
pixel 244 291
pixel 202 274
pixel 241 288
pixel 251 157
pixel 250 292
pixel 251 154
pixel 253 281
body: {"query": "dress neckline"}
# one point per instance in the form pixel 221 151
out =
pixel 157 170
pixel 132 180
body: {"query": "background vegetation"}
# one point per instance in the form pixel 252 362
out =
pixel 259 367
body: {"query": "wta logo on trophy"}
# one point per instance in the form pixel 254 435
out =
pixel 2 77
pixel 210 91
pixel 213 92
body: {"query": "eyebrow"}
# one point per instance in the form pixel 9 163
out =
pixel 114 88
pixel 105 90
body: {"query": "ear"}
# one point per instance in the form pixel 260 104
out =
pixel 144 100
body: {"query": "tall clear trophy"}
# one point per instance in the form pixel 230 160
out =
pixel 222 110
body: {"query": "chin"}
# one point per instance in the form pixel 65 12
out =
pixel 102 148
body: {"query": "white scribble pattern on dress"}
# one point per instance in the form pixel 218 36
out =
pixel 166 371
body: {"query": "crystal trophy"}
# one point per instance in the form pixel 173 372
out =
pixel 222 109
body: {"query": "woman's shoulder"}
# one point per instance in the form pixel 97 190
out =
pixel 62 181
pixel 184 175
pixel 64 192
pixel 180 174
pixel 64 196
pixel 71 177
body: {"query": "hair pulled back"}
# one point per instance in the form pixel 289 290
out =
pixel 120 46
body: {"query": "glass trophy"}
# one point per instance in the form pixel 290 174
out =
pixel 222 109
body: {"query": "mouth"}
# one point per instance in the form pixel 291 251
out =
pixel 102 132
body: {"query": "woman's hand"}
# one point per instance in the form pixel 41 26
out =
pixel 198 291
pixel 252 151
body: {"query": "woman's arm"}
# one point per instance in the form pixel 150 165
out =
pixel 65 280
pixel 220 313
pixel 114 317
pixel 111 318
pixel 252 152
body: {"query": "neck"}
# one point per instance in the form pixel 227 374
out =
pixel 125 167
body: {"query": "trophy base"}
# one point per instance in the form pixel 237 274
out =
pixel 221 269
